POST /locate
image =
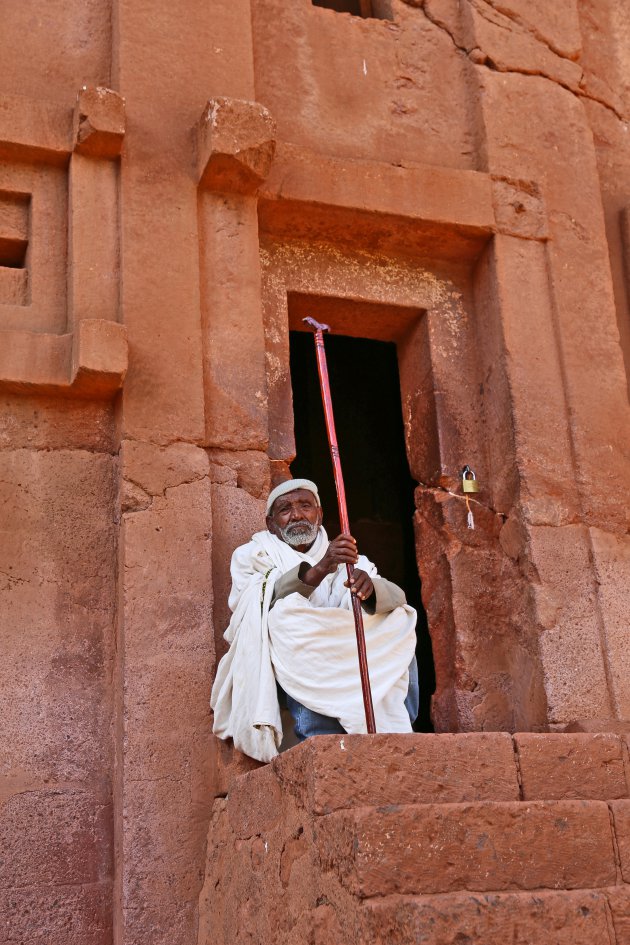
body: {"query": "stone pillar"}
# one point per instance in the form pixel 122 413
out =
pixel 573 465
pixel 235 147
pixel 166 66
pixel 93 231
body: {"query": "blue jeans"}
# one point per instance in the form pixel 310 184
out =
pixel 309 723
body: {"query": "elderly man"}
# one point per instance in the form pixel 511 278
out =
pixel 292 624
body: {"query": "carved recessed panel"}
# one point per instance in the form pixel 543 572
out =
pixel 14 242
pixel 33 247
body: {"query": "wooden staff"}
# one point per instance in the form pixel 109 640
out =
pixel 322 368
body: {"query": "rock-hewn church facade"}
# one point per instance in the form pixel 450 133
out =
pixel 180 184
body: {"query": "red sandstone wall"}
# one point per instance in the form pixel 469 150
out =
pixel 465 159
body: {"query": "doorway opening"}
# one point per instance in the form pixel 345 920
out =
pixel 368 9
pixel 365 388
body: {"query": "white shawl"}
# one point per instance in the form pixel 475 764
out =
pixel 309 645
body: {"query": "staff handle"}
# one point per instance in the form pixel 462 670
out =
pixel 322 369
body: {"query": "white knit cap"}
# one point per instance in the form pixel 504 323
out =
pixel 290 486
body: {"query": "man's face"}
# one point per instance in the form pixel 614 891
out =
pixel 295 519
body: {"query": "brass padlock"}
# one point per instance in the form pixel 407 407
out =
pixel 469 480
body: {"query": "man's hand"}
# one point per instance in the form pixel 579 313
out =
pixel 341 550
pixel 361 584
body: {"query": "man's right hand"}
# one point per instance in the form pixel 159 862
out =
pixel 341 550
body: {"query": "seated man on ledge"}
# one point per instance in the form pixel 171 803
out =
pixel 292 625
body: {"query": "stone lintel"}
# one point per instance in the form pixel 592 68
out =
pixel 91 363
pixel 235 145
pixel 423 210
pixel 420 192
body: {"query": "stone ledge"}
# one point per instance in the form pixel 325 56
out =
pixel 226 765
pixel 403 769
pixel 90 363
pixel 329 773
pixel 34 130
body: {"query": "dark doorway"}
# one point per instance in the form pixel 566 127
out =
pixel 368 416
pixel 368 9
pixel 354 7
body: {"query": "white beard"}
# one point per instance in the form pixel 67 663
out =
pixel 299 534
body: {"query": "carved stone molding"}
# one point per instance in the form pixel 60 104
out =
pixel 236 142
pixel 59 259
pixel 99 122
pixel 90 362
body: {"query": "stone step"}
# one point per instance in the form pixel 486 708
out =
pixel 541 918
pixel 336 772
pixel 484 846
pixel 478 839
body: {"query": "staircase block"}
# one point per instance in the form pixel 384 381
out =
pixel 621 819
pixel 568 766
pixel 334 772
pixel 464 839
pixel 619 902
pixel 486 846
pixel 544 918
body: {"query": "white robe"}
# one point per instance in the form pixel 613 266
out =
pixel 309 646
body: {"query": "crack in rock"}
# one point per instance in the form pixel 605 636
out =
pixel 479 57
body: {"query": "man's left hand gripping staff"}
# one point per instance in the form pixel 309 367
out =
pixel 341 550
